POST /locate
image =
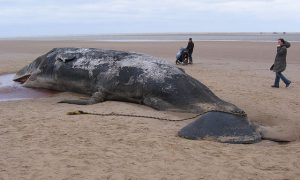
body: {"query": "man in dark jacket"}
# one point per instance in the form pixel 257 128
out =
pixel 280 63
pixel 190 48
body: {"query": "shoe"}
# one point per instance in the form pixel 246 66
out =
pixel 288 84
pixel 273 86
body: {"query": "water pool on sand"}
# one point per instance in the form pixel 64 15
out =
pixel 12 91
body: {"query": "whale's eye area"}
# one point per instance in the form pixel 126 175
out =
pixel 22 79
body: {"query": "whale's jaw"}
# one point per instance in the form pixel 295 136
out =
pixel 22 79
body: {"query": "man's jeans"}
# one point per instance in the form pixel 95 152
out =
pixel 280 76
pixel 190 57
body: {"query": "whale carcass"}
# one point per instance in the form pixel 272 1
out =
pixel 137 78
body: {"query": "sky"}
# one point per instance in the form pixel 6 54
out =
pixel 25 18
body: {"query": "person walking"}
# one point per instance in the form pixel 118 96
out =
pixel 280 63
pixel 190 48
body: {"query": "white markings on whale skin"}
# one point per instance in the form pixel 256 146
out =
pixel 60 51
pixel 154 68
pixel 79 50
pixel 51 54
pixel 89 64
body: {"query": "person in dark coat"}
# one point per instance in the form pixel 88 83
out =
pixel 280 63
pixel 190 48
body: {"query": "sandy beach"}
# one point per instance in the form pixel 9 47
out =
pixel 39 141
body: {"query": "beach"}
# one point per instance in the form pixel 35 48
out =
pixel 39 140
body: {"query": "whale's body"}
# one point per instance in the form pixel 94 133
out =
pixel 125 76
pixel 122 76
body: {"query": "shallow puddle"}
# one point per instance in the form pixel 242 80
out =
pixel 12 91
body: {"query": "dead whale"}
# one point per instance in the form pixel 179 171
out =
pixel 131 77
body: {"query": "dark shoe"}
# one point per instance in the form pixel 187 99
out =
pixel 288 84
pixel 273 86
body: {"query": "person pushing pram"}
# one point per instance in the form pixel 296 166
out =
pixel 184 55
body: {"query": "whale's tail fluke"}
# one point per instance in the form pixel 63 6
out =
pixel 221 127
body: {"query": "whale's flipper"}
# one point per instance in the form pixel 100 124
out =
pixel 156 103
pixel 79 101
pixel 96 98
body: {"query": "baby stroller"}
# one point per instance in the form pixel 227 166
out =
pixel 182 56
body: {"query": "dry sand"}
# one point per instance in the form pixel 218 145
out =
pixel 39 141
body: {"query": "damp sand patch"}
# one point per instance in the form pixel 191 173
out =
pixel 13 91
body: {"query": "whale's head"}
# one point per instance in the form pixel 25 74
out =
pixel 47 70
pixel 29 74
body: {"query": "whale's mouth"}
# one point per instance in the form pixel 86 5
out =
pixel 22 79
pixel 13 91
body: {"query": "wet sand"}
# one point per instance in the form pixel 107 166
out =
pixel 11 91
pixel 39 141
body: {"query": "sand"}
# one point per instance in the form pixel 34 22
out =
pixel 39 141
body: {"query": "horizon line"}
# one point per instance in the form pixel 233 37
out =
pixel 142 33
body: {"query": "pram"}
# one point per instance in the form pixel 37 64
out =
pixel 182 56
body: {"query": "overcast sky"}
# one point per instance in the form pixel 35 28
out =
pixel 63 17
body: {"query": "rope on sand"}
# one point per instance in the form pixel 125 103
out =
pixel 79 112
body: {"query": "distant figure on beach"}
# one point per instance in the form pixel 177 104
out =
pixel 280 63
pixel 190 48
